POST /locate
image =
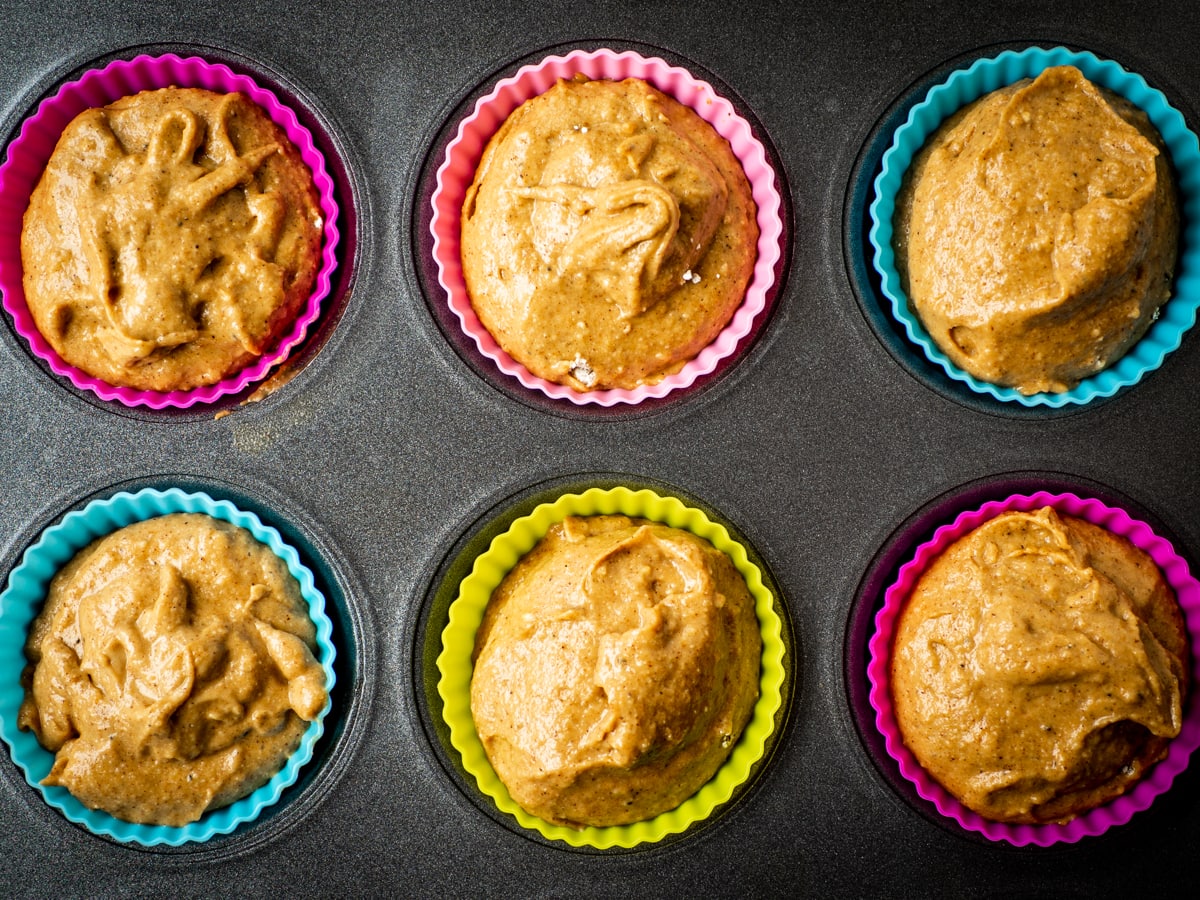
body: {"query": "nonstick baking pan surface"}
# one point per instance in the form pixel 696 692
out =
pixel 390 451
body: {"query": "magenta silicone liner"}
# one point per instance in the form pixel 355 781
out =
pixel 27 158
pixel 1096 821
pixel 455 174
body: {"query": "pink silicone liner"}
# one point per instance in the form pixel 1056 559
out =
pixel 462 157
pixel 1096 821
pixel 27 158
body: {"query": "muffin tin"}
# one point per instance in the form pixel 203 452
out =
pixel 388 457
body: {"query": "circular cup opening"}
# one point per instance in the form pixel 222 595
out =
pixel 443 589
pixel 95 83
pixel 219 834
pixel 883 572
pixel 896 333
pixel 435 229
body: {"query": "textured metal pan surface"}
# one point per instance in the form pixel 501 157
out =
pixel 387 452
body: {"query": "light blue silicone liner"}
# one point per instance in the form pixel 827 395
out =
pixel 23 599
pixel 985 76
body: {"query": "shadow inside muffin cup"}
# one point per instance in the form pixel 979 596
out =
pixel 107 78
pixel 309 773
pixel 932 802
pixel 437 674
pixel 878 174
pixel 449 168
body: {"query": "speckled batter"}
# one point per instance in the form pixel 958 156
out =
pixel 616 667
pixel 173 237
pixel 609 234
pixel 1037 232
pixel 1039 667
pixel 171 670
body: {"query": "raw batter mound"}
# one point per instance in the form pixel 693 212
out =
pixel 1040 667
pixel 1037 232
pixel 615 669
pixel 172 239
pixel 171 670
pixel 609 234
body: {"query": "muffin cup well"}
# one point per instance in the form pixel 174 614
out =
pixel 31 150
pixel 463 153
pixel 1174 318
pixel 466 612
pixel 1096 821
pixel 23 598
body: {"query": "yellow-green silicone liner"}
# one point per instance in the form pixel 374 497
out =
pixel 466 612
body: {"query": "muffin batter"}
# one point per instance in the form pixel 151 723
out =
pixel 608 236
pixel 171 670
pixel 1039 667
pixel 173 237
pixel 616 667
pixel 1037 232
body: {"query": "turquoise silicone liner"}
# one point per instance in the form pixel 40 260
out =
pixel 23 599
pixel 466 612
pixel 985 76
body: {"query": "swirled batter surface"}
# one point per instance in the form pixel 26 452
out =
pixel 608 236
pixel 616 667
pixel 171 670
pixel 1037 232
pixel 173 237
pixel 1039 667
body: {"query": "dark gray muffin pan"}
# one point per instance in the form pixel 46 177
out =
pixel 394 451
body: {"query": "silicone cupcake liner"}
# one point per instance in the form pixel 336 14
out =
pixel 466 612
pixel 23 599
pixel 455 174
pixel 1157 780
pixel 982 77
pixel 27 158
